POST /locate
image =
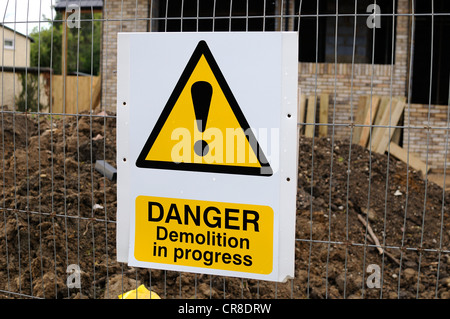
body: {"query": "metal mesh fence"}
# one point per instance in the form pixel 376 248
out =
pixel 372 219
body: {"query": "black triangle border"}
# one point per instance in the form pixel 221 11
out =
pixel 203 49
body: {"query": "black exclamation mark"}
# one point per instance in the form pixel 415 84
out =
pixel 201 92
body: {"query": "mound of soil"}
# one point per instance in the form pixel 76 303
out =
pixel 57 210
pixel 406 214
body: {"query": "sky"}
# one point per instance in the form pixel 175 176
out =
pixel 23 11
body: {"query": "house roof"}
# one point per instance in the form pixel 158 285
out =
pixel 17 32
pixel 62 4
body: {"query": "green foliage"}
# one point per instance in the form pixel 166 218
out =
pixel 46 49
pixel 83 45
pixel 27 101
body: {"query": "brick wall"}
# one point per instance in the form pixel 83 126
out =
pixel 120 16
pixel 423 132
pixel 321 78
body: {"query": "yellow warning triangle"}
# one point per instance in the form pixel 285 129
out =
pixel 202 127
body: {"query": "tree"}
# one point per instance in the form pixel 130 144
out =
pixel 83 45
pixel 27 101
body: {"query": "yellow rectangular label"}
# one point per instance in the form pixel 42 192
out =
pixel 215 235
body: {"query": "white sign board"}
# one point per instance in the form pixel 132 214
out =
pixel 207 152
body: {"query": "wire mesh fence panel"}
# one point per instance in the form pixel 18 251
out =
pixel 373 77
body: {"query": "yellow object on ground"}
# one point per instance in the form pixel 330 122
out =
pixel 140 293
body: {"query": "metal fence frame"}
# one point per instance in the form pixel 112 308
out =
pixel 9 292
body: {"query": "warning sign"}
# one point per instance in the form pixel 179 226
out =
pixel 202 127
pixel 207 152
pixel 208 234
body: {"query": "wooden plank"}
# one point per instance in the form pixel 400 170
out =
pixel 57 94
pixel 77 94
pixel 323 115
pixel 86 86
pixel 84 93
pixel 382 118
pixel 96 92
pixel 301 111
pixel 310 116
pixel 71 95
pixel 384 104
pixel 371 112
pixel 398 131
pixel 358 119
pixel 413 161
pixel 397 134
pixel 387 133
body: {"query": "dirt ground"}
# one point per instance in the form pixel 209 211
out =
pixel 57 210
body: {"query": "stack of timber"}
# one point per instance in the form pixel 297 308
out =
pixel 307 111
pixel 376 122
